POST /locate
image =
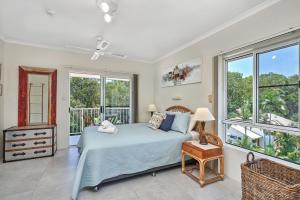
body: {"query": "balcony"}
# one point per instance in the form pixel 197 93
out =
pixel 83 117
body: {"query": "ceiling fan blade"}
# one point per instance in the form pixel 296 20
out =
pixel 117 55
pixel 78 48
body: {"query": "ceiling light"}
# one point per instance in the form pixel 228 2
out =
pixel 102 45
pixel 107 18
pixel 104 7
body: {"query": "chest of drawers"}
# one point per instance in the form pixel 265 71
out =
pixel 20 143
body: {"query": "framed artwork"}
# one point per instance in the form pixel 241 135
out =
pixel 186 73
pixel 1 89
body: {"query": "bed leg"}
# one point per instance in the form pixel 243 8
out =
pixel 97 188
pixel 153 174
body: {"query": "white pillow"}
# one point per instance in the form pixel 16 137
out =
pixel 195 135
pixel 191 124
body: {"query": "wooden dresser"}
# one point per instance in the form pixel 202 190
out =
pixel 20 143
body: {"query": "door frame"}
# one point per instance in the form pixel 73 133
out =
pixel 103 76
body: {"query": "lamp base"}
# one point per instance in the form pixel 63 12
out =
pixel 203 143
pixel 202 137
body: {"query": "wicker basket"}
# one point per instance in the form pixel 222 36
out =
pixel 263 179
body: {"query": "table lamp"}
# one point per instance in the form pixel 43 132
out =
pixel 152 109
pixel 203 115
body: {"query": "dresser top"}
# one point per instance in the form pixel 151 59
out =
pixel 18 128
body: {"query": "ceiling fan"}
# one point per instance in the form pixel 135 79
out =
pixel 101 46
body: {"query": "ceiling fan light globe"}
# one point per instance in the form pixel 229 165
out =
pixel 107 18
pixel 105 7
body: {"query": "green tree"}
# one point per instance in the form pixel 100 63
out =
pixel 84 92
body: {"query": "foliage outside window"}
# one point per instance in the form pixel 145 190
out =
pixel 239 88
pixel 262 90
pixel 85 93
pixel 273 143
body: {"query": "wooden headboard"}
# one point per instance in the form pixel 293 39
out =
pixel 178 108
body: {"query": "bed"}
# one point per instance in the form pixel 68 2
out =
pixel 135 149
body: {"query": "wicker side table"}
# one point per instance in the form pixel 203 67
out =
pixel 203 154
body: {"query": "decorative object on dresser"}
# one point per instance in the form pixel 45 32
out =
pixel 265 179
pixel 37 96
pixel 152 108
pixel 203 154
pixel 203 115
pixel 29 142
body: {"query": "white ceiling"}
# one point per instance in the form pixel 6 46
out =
pixel 142 29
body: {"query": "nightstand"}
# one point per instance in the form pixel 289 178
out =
pixel 203 154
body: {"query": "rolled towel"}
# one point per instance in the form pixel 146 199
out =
pixel 112 129
pixel 106 124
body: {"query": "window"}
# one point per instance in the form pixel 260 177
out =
pixel 262 101
pixel 239 88
pixel 278 86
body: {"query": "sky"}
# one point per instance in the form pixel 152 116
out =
pixel 282 61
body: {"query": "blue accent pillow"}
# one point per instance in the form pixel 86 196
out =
pixel 181 121
pixel 167 122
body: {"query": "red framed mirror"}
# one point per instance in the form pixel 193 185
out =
pixel 37 96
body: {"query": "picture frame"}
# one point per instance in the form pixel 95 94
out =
pixel 189 72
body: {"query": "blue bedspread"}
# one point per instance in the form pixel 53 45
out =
pixel 134 148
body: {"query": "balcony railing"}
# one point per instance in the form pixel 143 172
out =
pixel 83 117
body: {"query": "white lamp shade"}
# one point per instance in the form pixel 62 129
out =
pixel 203 114
pixel 152 108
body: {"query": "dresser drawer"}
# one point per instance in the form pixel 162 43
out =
pixel 27 144
pixel 32 153
pixel 26 134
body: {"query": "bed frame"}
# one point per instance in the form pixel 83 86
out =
pixel 152 171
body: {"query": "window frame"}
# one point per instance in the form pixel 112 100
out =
pixel 254 52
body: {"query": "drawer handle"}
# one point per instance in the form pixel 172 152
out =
pixel 42 151
pixel 19 154
pixel 36 143
pixel 41 133
pixel 18 145
pixel 19 135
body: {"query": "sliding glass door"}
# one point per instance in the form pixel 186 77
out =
pixel 117 100
pixel 94 98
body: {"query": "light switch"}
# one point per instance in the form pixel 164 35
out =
pixel 210 98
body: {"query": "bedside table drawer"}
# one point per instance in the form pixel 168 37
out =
pixel 201 151
pixel 191 151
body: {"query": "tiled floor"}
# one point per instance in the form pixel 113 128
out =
pixel 52 178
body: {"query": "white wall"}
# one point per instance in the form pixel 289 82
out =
pixel 1 97
pixel 272 20
pixel 16 55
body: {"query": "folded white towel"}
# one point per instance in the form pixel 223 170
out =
pixel 106 124
pixel 112 129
